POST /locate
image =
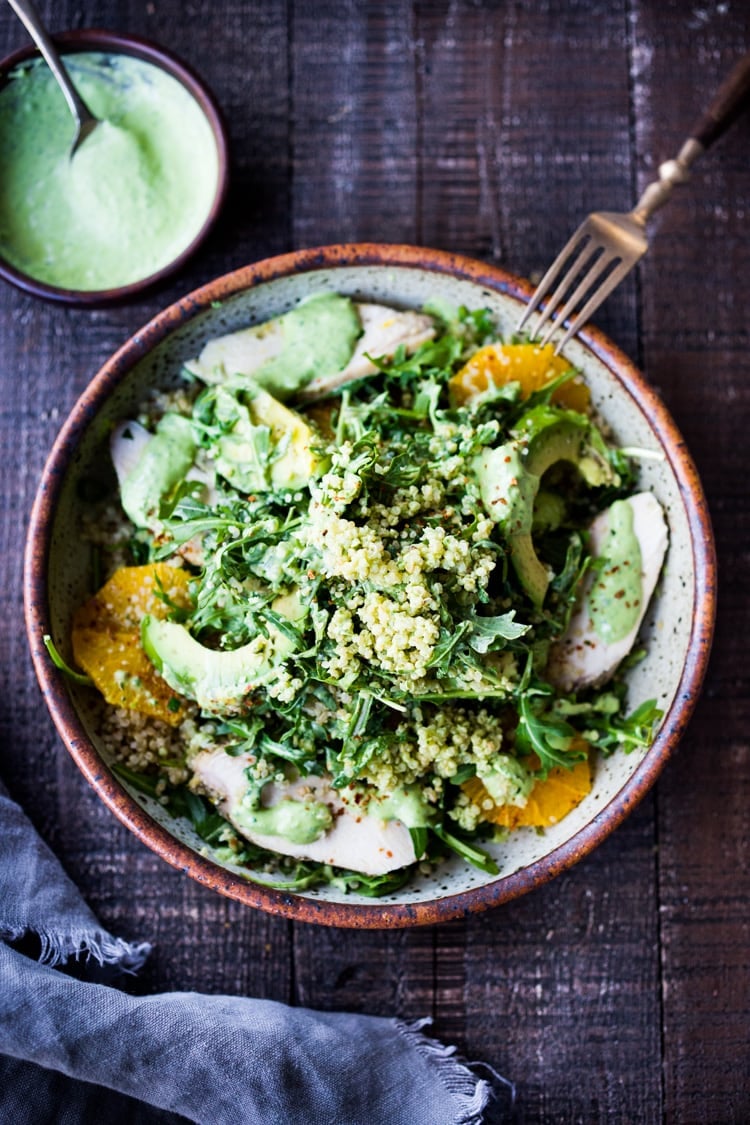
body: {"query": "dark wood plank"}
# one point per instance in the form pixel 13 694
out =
pixel 695 349
pixel 383 973
pixel 354 120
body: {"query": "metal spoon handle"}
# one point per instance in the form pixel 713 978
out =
pixel 30 18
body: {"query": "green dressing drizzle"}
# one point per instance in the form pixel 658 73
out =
pixel 405 804
pixel 614 599
pixel 298 821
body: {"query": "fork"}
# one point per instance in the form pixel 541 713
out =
pixel 608 244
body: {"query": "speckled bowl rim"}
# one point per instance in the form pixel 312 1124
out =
pixel 286 904
pixel 113 42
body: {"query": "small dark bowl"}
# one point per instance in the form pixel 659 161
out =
pixel 676 632
pixel 109 42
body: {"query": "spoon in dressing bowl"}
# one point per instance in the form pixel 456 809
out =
pixel 85 120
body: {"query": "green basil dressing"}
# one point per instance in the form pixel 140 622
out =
pixel 614 599
pixel 302 822
pixel 405 804
pixel 298 821
pixel 135 194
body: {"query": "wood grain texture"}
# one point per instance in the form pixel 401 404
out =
pixel 620 992
pixel 695 348
pixel 354 123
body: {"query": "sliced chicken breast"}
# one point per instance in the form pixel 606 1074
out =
pixel 356 840
pixel 581 658
pixel 126 446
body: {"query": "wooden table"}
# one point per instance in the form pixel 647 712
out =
pixel 620 992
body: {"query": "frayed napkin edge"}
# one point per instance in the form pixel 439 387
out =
pixel 455 1073
pixel 97 945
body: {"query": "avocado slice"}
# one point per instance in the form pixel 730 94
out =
pixel 214 679
pixel 268 446
pixel 314 339
pixel 163 463
pixel 291 606
pixel 550 435
pixel 509 477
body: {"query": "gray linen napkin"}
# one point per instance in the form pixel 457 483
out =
pixel 74 1051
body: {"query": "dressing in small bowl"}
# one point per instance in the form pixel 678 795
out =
pixel 139 194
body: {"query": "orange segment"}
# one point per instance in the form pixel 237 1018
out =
pixel 107 638
pixel 549 801
pixel 526 364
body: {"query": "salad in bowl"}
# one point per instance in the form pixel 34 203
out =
pixel 371 612
pixel 372 580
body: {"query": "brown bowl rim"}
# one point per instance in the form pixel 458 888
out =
pixel 113 42
pixel 287 904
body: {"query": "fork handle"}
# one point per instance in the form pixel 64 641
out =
pixel 732 97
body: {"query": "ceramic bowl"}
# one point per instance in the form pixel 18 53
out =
pixel 111 43
pixel 677 630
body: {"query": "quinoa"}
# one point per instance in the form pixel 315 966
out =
pixel 145 745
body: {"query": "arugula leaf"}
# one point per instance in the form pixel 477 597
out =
pixel 631 732
pixel 281 749
pixel 210 825
pixel 372 886
pixel 489 633
pixel 443 650
pixel 179 802
pixel 305 876
pixel 419 838
pixel 57 660
pixel 351 760
pixel 245 731
pixel 144 782
pixel 464 773
pixel 473 855
pixel 548 736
